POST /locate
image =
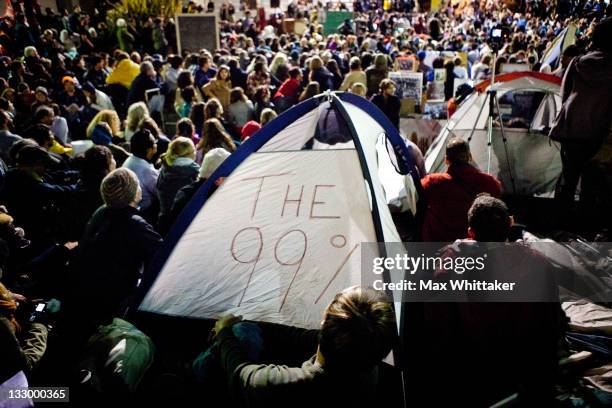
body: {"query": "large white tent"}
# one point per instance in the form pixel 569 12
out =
pixel 282 235
pixel 529 163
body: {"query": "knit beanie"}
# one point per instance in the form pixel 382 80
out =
pixel 119 188
pixel 212 160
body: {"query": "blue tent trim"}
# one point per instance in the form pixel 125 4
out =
pixel 253 144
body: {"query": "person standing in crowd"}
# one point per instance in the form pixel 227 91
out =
pixel 144 147
pixel 146 80
pixel 387 102
pixel 355 75
pixel 585 119
pixel 376 73
pixel 448 196
pixel 205 72
pixel 219 87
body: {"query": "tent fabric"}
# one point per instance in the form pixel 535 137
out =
pixel 529 163
pixel 567 37
pixel 281 235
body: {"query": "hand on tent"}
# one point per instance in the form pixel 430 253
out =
pixel 226 321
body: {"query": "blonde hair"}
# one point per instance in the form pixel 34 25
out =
pixel 178 147
pixel 136 114
pixel 266 116
pixel 358 89
pixel 107 116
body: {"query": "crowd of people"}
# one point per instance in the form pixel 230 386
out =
pixel 107 130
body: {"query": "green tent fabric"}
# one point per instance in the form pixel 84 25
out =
pixel 117 355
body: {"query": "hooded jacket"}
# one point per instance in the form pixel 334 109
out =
pixel 586 114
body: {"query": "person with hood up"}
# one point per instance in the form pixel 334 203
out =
pixel 376 73
pixel 584 121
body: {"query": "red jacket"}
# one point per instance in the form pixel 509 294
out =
pixel 449 196
pixel 288 88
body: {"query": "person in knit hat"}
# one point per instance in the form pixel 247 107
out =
pixel 114 250
pixel 120 189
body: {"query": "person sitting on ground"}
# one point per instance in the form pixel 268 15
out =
pixel 241 109
pixel 215 136
pixel 22 347
pixel 289 91
pixel 357 332
pixel 178 170
pixel 112 253
pixel 144 147
pixel 219 87
pixel 266 116
pixel 104 130
pixel 449 195
pixel 7 138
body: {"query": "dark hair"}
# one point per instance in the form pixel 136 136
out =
pixel 42 112
pixel 96 163
pixel 184 127
pixel 602 34
pixel 41 134
pixel 203 60
pixel 358 330
pixel 141 141
pixel 4 117
pixel 184 79
pixel 237 94
pixel 188 94
pixel 197 115
pixel 489 219
pixel 294 72
pixel 457 151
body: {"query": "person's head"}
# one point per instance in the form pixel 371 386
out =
pixel 69 84
pixel 262 94
pixel 266 116
pixel 179 147
pixel 175 61
pixel 185 127
pixel 188 94
pixel 120 189
pixel 489 220
pixel 110 117
pixel 315 63
pixel 31 157
pixel 185 78
pixel 602 34
pixel 96 163
pixel 295 73
pixel 355 64
pixel 211 161
pixel 136 113
pixel 568 55
pixel 89 90
pixel 311 89
pixel 357 331
pixel 41 134
pixel 237 94
pixel 387 87
pixel 6 121
pixel 358 89
pixel 143 144
pixel 214 135
pixel 213 109
pixel 147 69
pixel 41 94
pixel 458 151
pixel 223 73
